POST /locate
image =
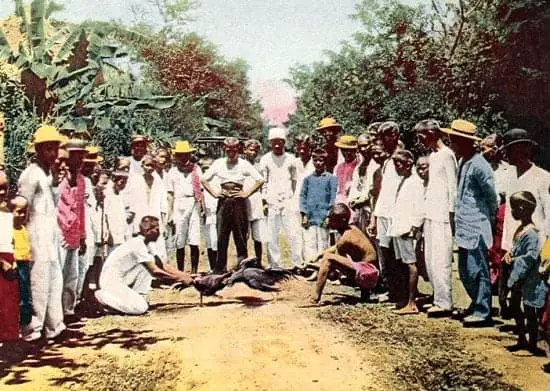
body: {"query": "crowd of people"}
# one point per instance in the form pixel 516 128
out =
pixel 365 210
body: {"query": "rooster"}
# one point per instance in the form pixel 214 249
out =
pixel 259 279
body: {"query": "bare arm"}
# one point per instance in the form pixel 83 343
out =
pixel 164 272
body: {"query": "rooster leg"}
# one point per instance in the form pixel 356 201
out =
pixel 200 305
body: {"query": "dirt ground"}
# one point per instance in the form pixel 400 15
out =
pixel 248 340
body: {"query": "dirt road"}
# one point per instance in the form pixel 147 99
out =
pixel 245 340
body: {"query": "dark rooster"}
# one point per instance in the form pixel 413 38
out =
pixel 260 279
pixel 210 284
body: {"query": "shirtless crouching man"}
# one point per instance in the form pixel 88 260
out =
pixel 353 254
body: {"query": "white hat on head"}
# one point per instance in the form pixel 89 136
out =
pixel 277 133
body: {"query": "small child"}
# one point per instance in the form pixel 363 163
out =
pixel 9 287
pixel 405 222
pixel 22 256
pixel 525 260
pixel 317 195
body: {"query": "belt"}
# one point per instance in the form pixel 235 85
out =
pixel 231 186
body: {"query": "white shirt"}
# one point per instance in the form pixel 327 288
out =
pixel 302 171
pixel 125 258
pixel 236 173
pixel 407 209
pixel 361 187
pixel 145 201
pixel 386 198
pixel 501 177
pixel 115 214
pixel 279 172
pixel 135 166
pixel 6 234
pixel 442 185
pixel 181 185
pixel 36 187
pixel 534 180
pixel 254 204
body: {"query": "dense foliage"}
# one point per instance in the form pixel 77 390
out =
pixel 482 60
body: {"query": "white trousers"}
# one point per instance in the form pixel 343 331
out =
pixel 70 265
pixel 210 233
pixel 278 220
pixel 188 225
pixel 46 289
pixel 438 249
pixel 126 294
pixel 315 241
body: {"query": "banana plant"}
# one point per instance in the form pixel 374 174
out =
pixel 64 72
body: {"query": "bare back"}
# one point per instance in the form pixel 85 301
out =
pixel 355 244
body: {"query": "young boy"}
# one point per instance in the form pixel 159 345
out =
pixel 405 221
pixel 9 290
pixel 22 255
pixel 317 195
pixel 353 253
pixel 525 260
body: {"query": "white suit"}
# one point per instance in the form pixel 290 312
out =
pixel 124 280
pixel 46 275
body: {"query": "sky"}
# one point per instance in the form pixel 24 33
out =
pixel 271 36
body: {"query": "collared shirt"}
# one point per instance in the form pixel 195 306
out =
pixel 537 181
pixel 476 203
pixel 388 190
pixel 279 172
pixel 361 187
pixel 441 190
pixel 235 173
pixel 407 211
pixel 125 258
pixel 135 166
pixel 317 196
pixel 302 171
pixel 181 184
pixel 71 215
pixel 254 204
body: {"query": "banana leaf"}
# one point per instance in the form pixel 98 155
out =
pixel 5 50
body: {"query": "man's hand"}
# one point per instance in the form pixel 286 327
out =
pixel 305 222
pixel 184 279
pixel 507 258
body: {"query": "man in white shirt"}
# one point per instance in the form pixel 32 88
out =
pixel 35 184
pixel 231 173
pixel 128 271
pixel 279 170
pixel 393 272
pixel 524 175
pixel 115 210
pixel 440 199
pixel 255 206
pixel 148 197
pixel 183 185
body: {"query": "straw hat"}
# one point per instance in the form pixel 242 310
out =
pixel 92 155
pixel 183 147
pixel 462 128
pixel 76 145
pixel 347 141
pixel 46 134
pixel 328 122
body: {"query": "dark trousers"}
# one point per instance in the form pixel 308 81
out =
pixel 25 303
pixel 231 216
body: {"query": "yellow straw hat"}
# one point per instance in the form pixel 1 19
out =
pixel 46 134
pixel 347 141
pixel 462 128
pixel 92 155
pixel 328 122
pixel 183 147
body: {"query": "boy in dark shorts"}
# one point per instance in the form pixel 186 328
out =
pixel 353 254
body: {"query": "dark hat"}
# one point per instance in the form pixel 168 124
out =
pixel 516 136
